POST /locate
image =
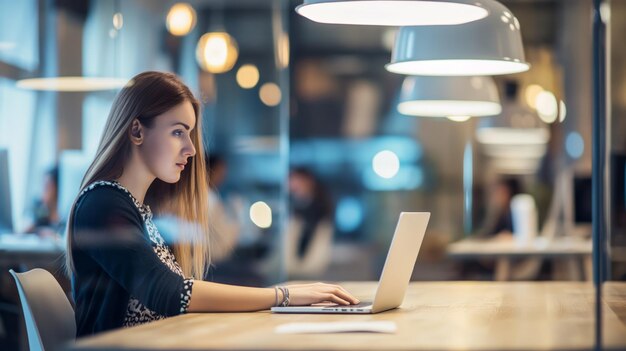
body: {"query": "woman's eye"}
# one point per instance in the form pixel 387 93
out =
pixel 178 132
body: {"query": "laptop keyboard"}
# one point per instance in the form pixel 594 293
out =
pixel 360 305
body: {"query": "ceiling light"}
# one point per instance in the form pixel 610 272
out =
pixel 531 93
pixel 486 47
pixel 247 76
pixel 510 136
pixel 180 19
pixel 449 96
pixel 217 52
pixel 270 94
pixel 393 12
pixel 72 84
pixel 459 118
pixel 547 106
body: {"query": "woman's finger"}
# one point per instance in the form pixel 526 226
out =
pixel 336 299
pixel 346 295
pixel 342 293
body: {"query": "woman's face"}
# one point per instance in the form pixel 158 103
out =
pixel 167 144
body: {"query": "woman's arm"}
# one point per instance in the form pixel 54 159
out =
pixel 214 297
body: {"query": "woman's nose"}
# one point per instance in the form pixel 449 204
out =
pixel 189 150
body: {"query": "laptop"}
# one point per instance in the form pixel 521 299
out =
pixel 396 274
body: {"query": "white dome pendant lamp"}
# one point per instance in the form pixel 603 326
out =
pixel 449 96
pixel 393 12
pixel 491 46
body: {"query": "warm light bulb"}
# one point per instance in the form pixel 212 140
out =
pixel 180 19
pixel 547 106
pixel 270 94
pixel 217 52
pixel 531 93
pixel 247 76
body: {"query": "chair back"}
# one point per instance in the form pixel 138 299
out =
pixel 48 314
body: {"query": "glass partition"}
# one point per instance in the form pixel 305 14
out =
pixel 613 246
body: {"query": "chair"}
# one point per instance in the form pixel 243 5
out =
pixel 49 317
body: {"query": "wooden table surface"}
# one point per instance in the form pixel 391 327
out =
pixel 434 316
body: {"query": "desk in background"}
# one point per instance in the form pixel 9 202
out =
pixel 574 251
pixel 29 249
pixel 434 316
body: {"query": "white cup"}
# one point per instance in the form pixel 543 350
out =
pixel 524 216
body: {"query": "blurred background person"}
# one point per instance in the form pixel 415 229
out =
pixel 497 224
pixel 498 220
pixel 45 219
pixel 310 230
pixel 223 221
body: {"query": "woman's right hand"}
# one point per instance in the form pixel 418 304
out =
pixel 307 294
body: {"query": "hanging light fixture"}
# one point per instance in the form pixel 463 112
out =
pixel 393 12
pixel 515 141
pixel 449 96
pixel 181 18
pixel 217 52
pixel 490 46
pixel 72 84
pixel 87 82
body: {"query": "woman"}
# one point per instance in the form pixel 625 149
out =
pixel 123 272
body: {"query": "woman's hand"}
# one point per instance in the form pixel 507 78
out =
pixel 307 294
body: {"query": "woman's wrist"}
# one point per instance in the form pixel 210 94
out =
pixel 279 296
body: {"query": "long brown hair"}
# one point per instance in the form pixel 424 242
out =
pixel 146 96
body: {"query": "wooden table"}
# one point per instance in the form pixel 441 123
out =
pixel 434 316
pixel 573 251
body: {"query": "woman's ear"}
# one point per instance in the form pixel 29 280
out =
pixel 136 132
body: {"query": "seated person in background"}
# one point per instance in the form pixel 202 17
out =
pixel 499 225
pixel 310 231
pixel 45 215
pixel 498 220
pixel 224 227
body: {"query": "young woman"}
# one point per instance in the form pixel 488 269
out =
pixel 123 272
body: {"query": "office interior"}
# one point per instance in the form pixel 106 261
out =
pixel 311 157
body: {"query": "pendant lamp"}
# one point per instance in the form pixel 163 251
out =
pixel 393 12
pixel 90 80
pixel 72 84
pixel 491 46
pixel 449 96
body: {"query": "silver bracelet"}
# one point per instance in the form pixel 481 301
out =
pixel 285 301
